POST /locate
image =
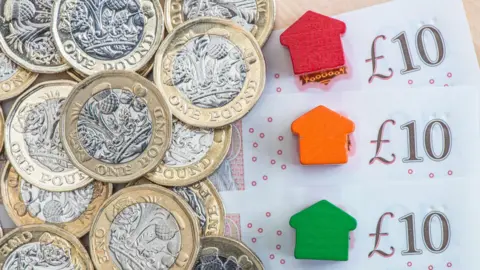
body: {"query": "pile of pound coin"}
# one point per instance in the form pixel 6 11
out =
pixel 109 170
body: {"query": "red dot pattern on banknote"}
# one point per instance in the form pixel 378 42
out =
pixel 432 81
pixel 259 137
pixel 259 236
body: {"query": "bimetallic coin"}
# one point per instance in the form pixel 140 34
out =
pixel 32 140
pixel 226 253
pixel 98 35
pixel 78 76
pixel 205 202
pixel 13 79
pixel 145 227
pixel 194 154
pixel 26 36
pixel 256 16
pixel 211 71
pixel 42 247
pixel 73 211
pixel 116 126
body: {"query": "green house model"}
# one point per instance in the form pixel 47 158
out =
pixel 322 232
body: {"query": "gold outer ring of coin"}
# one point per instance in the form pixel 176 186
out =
pixel 265 20
pixel 180 105
pixel 211 200
pixel 78 76
pixel 100 235
pixel 17 209
pixel 18 150
pixel 88 65
pixel 141 89
pixel 16 83
pixel 59 238
pixel 227 247
pixel 186 175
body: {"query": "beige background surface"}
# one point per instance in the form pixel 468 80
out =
pixel 288 11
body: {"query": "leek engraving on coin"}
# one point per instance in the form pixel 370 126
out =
pixel 210 258
pixel 243 12
pixel 195 203
pixel 55 207
pixel 105 29
pixel 26 29
pixel 209 70
pixel 7 67
pixel 189 144
pixel 144 236
pixel 39 255
pixel 39 124
pixel 115 125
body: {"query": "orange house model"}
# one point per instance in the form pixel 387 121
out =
pixel 323 136
pixel 315 43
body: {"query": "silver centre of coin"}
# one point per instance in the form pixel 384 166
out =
pixel 210 71
pixel 195 203
pixel 26 28
pixel 189 144
pixel 39 123
pixel 7 67
pixel 56 207
pixel 209 258
pixel 105 29
pixel 144 236
pixel 38 255
pixel 115 126
pixel 243 12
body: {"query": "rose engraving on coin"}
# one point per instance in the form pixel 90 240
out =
pixel 204 200
pixel 39 247
pixel 243 12
pixel 189 144
pixel 255 16
pixel 145 227
pixel 97 35
pixel 210 70
pixel 38 122
pixel 144 236
pixel 115 125
pixel 106 30
pixel 26 35
pixel 33 141
pixel 71 210
pixel 56 207
pixel 13 79
pixel 39 255
pixel 225 253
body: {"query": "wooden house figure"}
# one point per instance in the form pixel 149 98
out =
pixel 322 232
pixel 315 43
pixel 323 136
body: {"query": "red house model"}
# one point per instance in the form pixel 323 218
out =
pixel 315 43
pixel 323 136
